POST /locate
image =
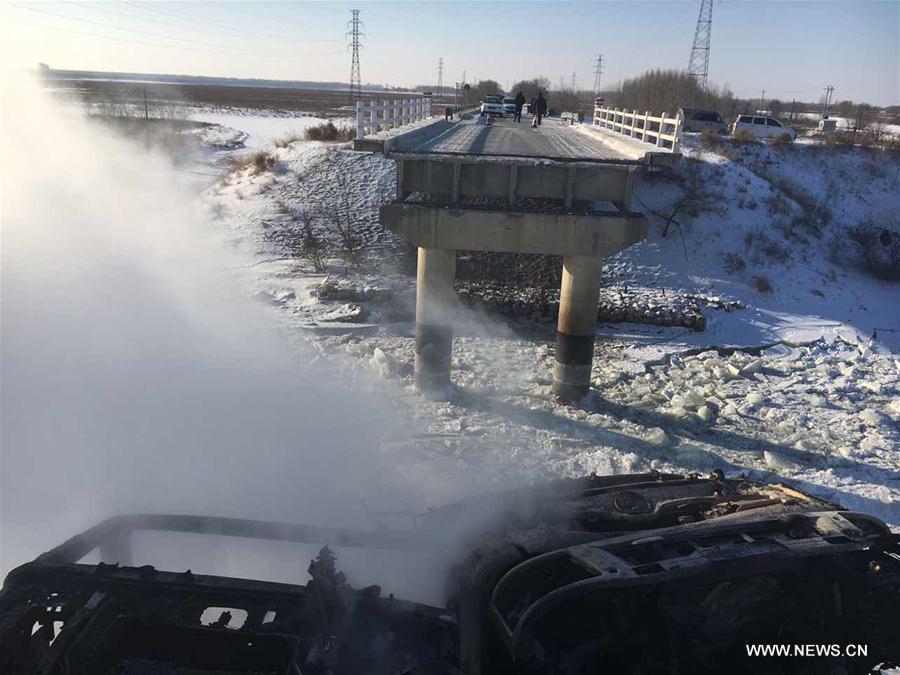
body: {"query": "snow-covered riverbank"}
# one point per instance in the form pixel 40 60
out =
pixel 816 406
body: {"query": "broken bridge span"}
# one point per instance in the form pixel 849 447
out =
pixel 507 187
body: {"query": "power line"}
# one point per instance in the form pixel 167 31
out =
pixel 218 48
pixel 698 65
pixel 192 19
pixel 354 34
pixel 94 8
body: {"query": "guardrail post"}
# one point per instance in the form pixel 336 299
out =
pixel 662 126
pixel 360 131
pixel 406 111
pixel 679 122
pixel 373 116
pixel 633 121
pixel 646 126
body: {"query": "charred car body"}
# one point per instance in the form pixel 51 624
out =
pixel 625 574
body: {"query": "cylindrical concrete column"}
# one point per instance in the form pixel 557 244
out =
pixel 578 300
pixel 434 332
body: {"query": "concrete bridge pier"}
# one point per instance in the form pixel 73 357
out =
pixel 442 225
pixel 578 304
pixel 435 295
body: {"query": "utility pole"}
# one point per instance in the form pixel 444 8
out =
pixel 829 90
pixel 762 101
pixel 598 71
pixel 146 110
pixel 440 77
pixel 698 65
pixel 354 35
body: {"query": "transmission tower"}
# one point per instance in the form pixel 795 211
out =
pixel 574 83
pixel 440 86
pixel 826 101
pixel 598 71
pixel 354 35
pixel 698 67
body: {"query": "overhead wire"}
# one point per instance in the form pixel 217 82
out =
pixel 220 49
pixel 193 18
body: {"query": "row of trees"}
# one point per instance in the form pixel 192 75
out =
pixel 668 90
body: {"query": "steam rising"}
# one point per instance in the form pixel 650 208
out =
pixel 135 374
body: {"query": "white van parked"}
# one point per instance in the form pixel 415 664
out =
pixel 762 127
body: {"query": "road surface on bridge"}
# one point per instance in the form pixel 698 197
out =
pixel 505 137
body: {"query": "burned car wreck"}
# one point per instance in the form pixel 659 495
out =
pixel 624 574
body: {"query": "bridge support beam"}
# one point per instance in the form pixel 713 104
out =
pixel 582 240
pixel 434 333
pixel 578 301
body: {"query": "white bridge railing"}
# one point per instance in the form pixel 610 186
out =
pixel 374 116
pixel 662 131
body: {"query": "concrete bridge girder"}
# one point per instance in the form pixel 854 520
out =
pixel 514 232
pixel 583 239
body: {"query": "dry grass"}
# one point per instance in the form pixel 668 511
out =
pixel 258 162
pixel 783 142
pixel 743 138
pixel 733 263
pixel 878 248
pixel 762 284
pixel 287 139
pixel 329 132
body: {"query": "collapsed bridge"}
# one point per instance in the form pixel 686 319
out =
pixel 509 188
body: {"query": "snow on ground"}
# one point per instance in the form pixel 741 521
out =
pixel 262 129
pixel 793 387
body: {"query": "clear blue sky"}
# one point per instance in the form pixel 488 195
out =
pixel 789 48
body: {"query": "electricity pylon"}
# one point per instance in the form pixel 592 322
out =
pixel 354 35
pixel 698 66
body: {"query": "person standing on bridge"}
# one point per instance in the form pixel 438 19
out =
pixel 540 108
pixel 520 102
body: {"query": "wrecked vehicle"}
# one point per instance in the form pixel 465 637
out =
pixel 644 573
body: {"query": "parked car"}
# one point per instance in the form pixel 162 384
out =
pixel 492 105
pixel 703 120
pixel 761 126
pixel 509 106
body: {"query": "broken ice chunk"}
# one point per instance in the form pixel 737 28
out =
pixel 870 417
pixel 817 401
pixel 755 398
pixel 780 461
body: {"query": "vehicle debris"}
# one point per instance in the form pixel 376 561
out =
pixel 633 573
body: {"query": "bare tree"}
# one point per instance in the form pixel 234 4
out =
pixel 313 248
pixel 338 212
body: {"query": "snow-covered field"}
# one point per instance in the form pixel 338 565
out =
pixel 262 129
pixel 801 385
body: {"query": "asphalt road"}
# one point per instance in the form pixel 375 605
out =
pixel 506 137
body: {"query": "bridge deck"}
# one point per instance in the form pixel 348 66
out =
pixel 505 137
